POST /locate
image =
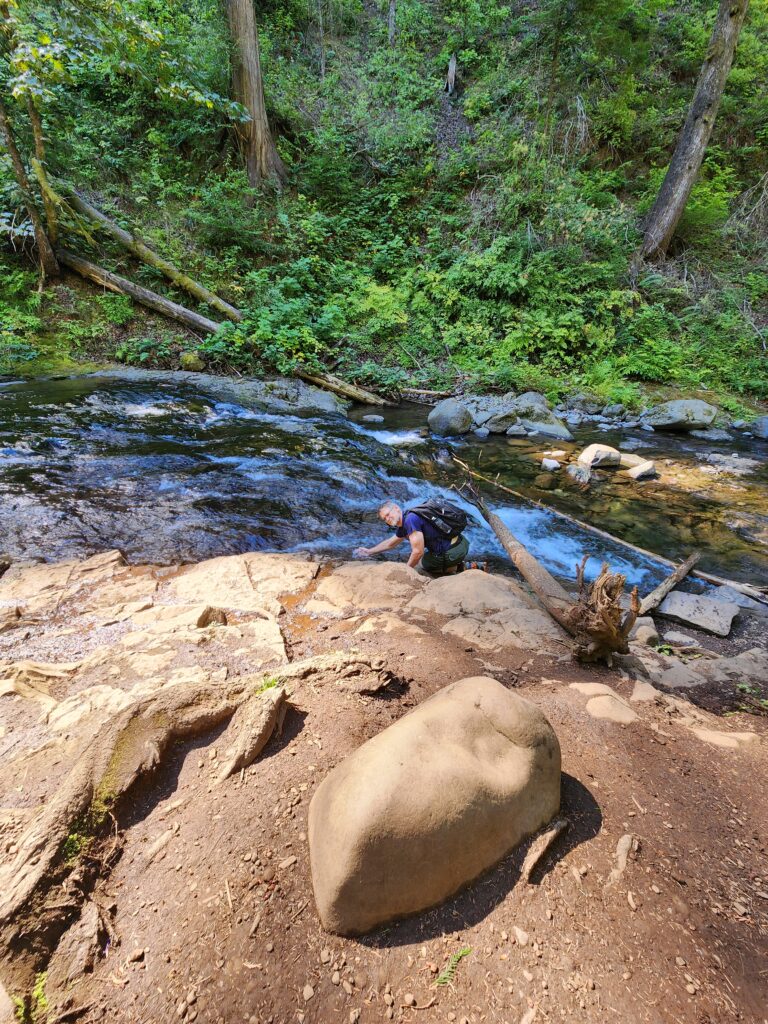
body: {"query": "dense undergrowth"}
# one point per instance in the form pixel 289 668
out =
pixel 486 239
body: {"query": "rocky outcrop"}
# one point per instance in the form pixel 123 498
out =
pixel 682 414
pixel 488 765
pixel 366 587
pixel 699 611
pixel 537 417
pixel 759 427
pixel 489 612
pixel 449 418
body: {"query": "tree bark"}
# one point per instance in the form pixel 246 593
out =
pixel 450 78
pixel 49 266
pixel 51 218
pixel 596 621
pixel 121 285
pixel 684 167
pixel 654 599
pixel 262 160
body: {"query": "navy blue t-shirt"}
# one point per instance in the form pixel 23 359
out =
pixel 434 540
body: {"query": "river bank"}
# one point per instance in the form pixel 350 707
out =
pixel 192 895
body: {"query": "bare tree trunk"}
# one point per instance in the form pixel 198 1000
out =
pixel 391 23
pixel 151 258
pixel 691 146
pixel 450 78
pixel 261 157
pixel 49 266
pixel 121 285
pixel 51 219
pixel 654 599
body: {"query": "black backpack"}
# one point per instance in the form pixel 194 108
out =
pixel 449 519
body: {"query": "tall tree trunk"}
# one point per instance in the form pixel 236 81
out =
pixel 51 218
pixel 686 161
pixel 261 157
pixel 49 266
pixel 391 23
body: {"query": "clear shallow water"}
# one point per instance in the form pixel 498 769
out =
pixel 168 474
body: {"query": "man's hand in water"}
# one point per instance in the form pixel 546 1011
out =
pixel 361 553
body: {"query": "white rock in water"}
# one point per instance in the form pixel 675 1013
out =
pixel 643 471
pixel 552 465
pixel 700 611
pixel 600 455
pixel 373 418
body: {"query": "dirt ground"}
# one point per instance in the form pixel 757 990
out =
pixel 220 926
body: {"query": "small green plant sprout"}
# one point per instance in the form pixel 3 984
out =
pixel 269 683
pixel 747 688
pixel 446 976
pixel 665 649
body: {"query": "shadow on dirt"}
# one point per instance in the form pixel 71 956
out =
pixel 475 902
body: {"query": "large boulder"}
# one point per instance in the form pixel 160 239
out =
pixel 430 803
pixel 536 416
pixel 759 427
pixel 449 417
pixel 682 414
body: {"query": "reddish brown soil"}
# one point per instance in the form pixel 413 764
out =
pixel 222 927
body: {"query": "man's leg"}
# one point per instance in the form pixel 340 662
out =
pixel 448 563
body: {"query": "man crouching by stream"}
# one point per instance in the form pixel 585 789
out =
pixel 433 530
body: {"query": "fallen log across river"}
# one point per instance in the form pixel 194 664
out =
pixel 756 593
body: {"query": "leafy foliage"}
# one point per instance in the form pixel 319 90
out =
pixel 488 237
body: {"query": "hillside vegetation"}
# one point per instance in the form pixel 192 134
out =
pixel 486 238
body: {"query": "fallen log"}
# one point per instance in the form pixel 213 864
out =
pixel 196 322
pixel 654 599
pixel 330 382
pixel 554 597
pixel 596 621
pixel 756 593
pixel 151 258
pixel 145 297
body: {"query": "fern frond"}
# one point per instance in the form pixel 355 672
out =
pixel 446 976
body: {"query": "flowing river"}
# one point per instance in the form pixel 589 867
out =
pixel 167 473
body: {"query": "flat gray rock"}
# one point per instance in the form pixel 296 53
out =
pixel 700 611
pixel 682 414
pixel 733 596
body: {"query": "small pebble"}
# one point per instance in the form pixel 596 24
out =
pixel 354 1016
pixel 409 999
pixel 270 947
pixel 308 992
pixel 136 955
pixel 690 989
pixel 325 956
pixel 680 962
pixel 335 978
pixel 347 987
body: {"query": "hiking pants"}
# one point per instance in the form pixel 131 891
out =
pixel 437 565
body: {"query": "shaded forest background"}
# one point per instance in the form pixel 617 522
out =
pixel 487 237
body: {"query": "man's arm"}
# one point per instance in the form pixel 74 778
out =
pixel 385 545
pixel 417 548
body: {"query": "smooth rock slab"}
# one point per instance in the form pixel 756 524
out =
pixel 430 803
pixel 700 611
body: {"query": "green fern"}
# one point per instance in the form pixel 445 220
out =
pixel 446 976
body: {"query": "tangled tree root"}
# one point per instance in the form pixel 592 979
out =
pixel 130 745
pixel 599 624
